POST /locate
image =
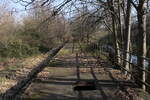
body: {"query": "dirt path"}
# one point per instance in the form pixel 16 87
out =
pixel 57 80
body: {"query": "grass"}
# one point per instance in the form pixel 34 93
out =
pixel 56 63
pixel 10 70
pixel 15 68
pixel 2 79
pixel 2 59
pixel 12 67
pixel 64 52
pixel 143 94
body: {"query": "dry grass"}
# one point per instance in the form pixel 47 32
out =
pixel 6 84
pixel 13 70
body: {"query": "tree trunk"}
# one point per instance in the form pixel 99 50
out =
pixel 114 28
pixel 128 35
pixel 141 38
pixel 73 45
pixel 120 29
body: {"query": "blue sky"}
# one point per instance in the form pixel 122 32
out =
pixel 19 10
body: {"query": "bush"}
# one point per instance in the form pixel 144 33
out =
pixel 17 48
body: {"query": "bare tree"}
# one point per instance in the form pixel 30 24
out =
pixel 7 22
pixel 141 8
pixel 128 35
pixel 111 4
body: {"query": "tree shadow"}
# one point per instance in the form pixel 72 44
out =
pixel 49 96
pixel 71 81
pixel 99 86
pixel 64 63
pixel 80 94
pixel 68 64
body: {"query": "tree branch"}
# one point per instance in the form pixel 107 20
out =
pixel 135 6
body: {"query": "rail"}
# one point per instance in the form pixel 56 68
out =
pixel 129 71
pixel 11 94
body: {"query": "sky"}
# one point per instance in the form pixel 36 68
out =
pixel 18 10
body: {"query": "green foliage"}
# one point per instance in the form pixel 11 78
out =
pixel 31 37
pixel 17 48
pixel 2 79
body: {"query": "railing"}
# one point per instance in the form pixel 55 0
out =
pixel 130 71
pixel 145 69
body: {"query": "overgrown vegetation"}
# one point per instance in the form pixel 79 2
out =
pixel 29 37
pixel 88 24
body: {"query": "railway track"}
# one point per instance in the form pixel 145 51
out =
pixel 22 85
pixel 57 82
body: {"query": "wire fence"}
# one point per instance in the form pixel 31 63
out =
pixel 134 67
pixel 134 71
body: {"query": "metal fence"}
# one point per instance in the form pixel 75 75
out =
pixel 145 69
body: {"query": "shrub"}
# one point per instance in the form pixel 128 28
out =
pixel 17 48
